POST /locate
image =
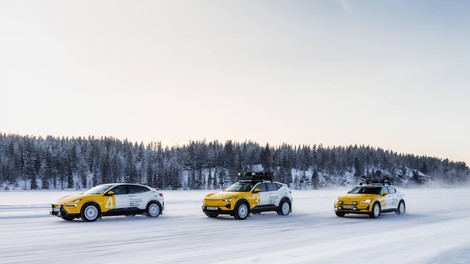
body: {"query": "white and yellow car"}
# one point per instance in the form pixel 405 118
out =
pixel 110 199
pixel 372 199
pixel 253 193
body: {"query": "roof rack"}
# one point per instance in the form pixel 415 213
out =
pixel 375 182
pixel 255 176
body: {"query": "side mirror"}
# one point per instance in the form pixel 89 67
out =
pixel 110 193
pixel 349 192
pixel 256 190
pixel 385 193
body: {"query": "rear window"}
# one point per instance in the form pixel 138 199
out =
pixel 272 187
pixel 137 189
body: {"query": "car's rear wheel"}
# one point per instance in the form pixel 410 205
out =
pixel 212 215
pixel 340 214
pixel 375 211
pixel 241 211
pixel 401 208
pixel 153 209
pixel 284 208
pixel 90 212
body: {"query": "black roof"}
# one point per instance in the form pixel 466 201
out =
pixel 255 176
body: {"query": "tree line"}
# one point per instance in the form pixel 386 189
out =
pixel 30 162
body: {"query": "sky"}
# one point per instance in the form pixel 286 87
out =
pixel 389 74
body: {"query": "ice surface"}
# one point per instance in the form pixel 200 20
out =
pixel 436 229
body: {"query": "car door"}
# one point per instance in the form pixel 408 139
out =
pixel 387 198
pixel 263 194
pixel 120 200
pixel 393 197
pixel 273 193
pixel 137 196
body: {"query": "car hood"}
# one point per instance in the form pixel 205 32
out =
pixel 223 195
pixel 357 197
pixel 70 198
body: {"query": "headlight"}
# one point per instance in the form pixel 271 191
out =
pixel 366 201
pixel 340 202
pixel 354 203
pixel 228 200
pixel 73 203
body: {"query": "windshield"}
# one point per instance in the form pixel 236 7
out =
pixel 240 187
pixel 366 190
pixel 99 189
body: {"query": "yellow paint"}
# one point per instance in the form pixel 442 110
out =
pixel 105 202
pixel 221 199
pixel 361 206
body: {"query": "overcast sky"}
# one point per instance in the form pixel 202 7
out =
pixel 390 74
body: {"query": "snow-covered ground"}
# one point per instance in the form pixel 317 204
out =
pixel 436 229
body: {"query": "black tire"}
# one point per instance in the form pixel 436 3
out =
pixel 401 210
pixel 67 218
pixel 153 209
pixel 375 212
pixel 90 212
pixel 284 208
pixel 340 214
pixel 212 215
pixel 242 211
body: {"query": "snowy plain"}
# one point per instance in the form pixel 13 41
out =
pixel 435 229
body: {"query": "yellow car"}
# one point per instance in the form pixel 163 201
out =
pixel 110 199
pixel 372 199
pixel 253 193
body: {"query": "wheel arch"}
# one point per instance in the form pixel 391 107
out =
pixel 287 199
pixel 154 201
pixel 242 200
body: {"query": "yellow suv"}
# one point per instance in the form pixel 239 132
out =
pixel 372 198
pixel 253 193
pixel 110 199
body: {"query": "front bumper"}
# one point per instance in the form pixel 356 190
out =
pixel 349 208
pixel 216 209
pixel 60 211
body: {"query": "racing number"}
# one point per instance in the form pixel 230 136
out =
pixel 110 204
pixel 256 197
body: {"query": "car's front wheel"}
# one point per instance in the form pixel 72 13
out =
pixel 375 211
pixel 284 208
pixel 242 211
pixel 401 208
pixel 153 209
pixel 90 212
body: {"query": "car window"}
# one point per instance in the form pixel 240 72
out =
pixel 99 189
pixel 272 187
pixel 262 187
pixel 391 190
pixel 120 189
pixel 366 190
pixel 239 187
pixel 137 189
